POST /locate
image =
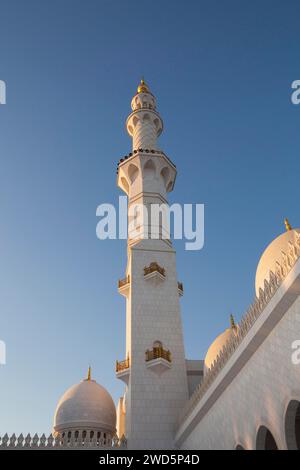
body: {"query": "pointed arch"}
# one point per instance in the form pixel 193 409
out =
pixel 265 439
pixel 125 184
pixel 170 186
pixel 133 172
pixel 146 117
pixel 165 174
pixel 292 425
pixel 149 169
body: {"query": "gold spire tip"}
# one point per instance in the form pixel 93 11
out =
pixel 232 322
pixel 89 376
pixel 287 225
pixel 143 88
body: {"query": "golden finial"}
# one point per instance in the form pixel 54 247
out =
pixel 89 376
pixel 232 322
pixel 143 88
pixel 287 225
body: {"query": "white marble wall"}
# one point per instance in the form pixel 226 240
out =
pixel 258 395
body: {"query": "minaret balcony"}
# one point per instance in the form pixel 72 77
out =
pixel 123 370
pixel 180 288
pixel 155 272
pixel 158 360
pixel 124 286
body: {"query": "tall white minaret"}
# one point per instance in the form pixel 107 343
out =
pixel 154 368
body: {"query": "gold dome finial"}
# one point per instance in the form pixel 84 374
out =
pixel 143 88
pixel 287 225
pixel 89 375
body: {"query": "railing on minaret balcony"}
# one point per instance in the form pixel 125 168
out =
pixel 180 288
pixel 122 365
pixel 154 267
pixel 158 353
pixel 124 282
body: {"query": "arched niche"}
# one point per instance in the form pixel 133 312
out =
pixel 292 425
pixel 149 169
pixel 146 117
pixel 165 174
pixel 133 172
pixel 265 439
pixel 125 184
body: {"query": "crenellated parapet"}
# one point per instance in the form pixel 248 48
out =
pixel 271 286
pixel 83 440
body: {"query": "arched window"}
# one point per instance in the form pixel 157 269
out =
pixel 265 440
pixel 292 425
pixel 239 447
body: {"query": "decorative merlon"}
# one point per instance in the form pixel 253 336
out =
pixel 74 440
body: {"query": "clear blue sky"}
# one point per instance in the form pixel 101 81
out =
pixel 221 72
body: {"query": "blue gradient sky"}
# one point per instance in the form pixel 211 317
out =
pixel 221 71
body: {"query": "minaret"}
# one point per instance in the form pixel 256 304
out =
pixel 154 368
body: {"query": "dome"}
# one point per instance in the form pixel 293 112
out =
pixel 272 254
pixel 218 344
pixel 86 405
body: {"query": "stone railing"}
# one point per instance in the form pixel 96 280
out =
pixel 154 267
pixel 122 365
pixel 265 295
pixel 73 441
pixel 157 353
pixel 124 282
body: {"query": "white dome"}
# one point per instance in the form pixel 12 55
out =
pixel 272 254
pixel 217 346
pixel 86 405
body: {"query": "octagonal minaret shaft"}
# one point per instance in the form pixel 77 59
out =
pixel 144 124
